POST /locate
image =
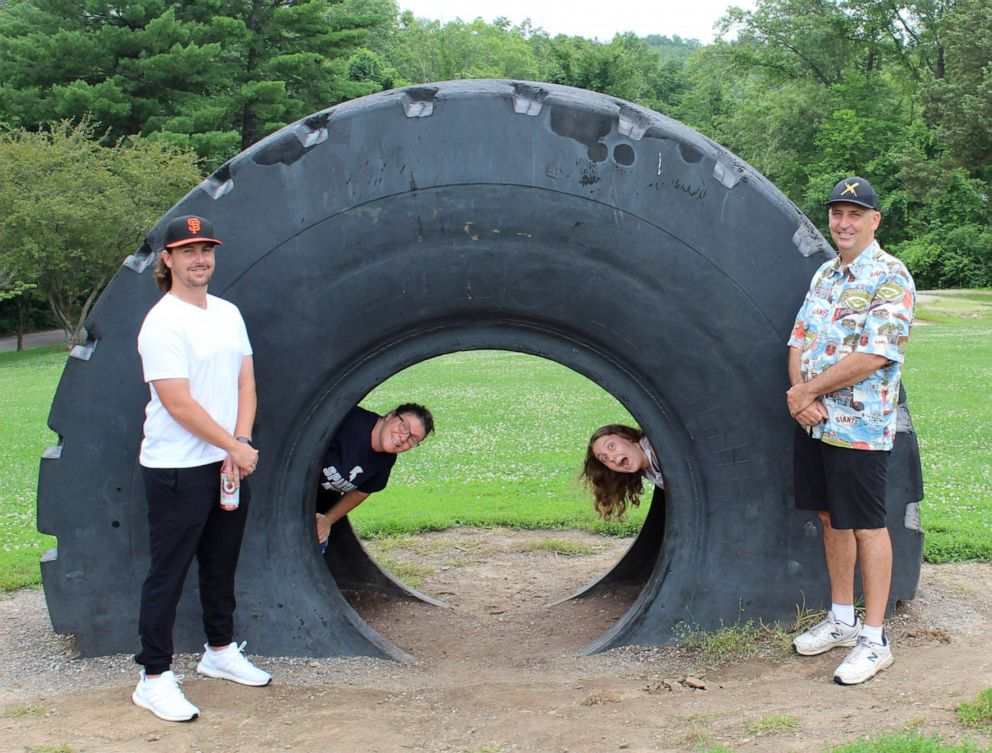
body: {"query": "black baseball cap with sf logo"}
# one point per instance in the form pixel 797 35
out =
pixel 855 191
pixel 189 228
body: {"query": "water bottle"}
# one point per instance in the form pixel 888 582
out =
pixel 230 493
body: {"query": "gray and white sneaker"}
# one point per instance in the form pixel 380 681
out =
pixel 864 661
pixel 231 664
pixel 826 635
pixel 164 698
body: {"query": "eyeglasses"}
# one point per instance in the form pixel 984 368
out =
pixel 408 436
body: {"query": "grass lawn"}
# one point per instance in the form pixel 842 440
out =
pixel 27 383
pixel 513 429
pixel 910 741
pixel 948 376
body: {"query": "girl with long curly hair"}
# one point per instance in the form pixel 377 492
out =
pixel 618 459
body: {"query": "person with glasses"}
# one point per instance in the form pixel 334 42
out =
pixel 618 459
pixel 360 458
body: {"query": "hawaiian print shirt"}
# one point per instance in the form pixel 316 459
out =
pixel 865 308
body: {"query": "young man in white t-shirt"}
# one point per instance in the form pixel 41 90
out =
pixel 197 361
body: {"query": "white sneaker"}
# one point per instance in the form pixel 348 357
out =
pixel 826 635
pixel 231 664
pixel 865 661
pixel 164 698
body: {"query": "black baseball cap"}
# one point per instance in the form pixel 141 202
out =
pixel 189 228
pixel 855 190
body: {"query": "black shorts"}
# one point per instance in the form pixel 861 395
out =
pixel 849 484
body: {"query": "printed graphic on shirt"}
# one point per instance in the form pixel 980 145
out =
pixel 334 480
pixel 350 463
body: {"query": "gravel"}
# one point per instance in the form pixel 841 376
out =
pixel 36 661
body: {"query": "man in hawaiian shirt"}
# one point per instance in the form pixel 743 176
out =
pixel 845 362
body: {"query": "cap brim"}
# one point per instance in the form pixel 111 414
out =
pixel 186 241
pixel 850 201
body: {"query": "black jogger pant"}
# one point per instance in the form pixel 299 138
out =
pixel 185 521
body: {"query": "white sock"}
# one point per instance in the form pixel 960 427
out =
pixel 873 634
pixel 843 613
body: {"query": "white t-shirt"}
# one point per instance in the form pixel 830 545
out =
pixel 206 346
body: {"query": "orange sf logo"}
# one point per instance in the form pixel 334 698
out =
pixel 193 223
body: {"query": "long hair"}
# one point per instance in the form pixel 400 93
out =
pixel 612 491
pixel 162 275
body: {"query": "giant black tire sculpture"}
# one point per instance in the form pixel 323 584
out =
pixel 465 215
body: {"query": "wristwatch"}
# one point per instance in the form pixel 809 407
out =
pixel 243 440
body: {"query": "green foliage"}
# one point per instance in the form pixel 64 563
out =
pixel 906 742
pixel 948 370
pixel 15 712
pixel 27 384
pixel 900 93
pixel 772 724
pixel 617 68
pixel 558 546
pixel 366 65
pixel 731 642
pixel 626 67
pixel 947 259
pixel 793 40
pixel 672 49
pixel 811 92
pixel 25 313
pixel 647 71
pixel 71 210
pixel 950 231
pixel 898 742
pixel 958 95
pixel 215 76
pixel 978 713
pixel 410 573
pixel 426 50
pixel 11 288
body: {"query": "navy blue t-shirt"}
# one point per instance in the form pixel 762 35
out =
pixel 350 462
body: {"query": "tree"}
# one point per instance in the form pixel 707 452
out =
pixel 616 68
pixel 426 50
pixel 366 65
pixel 12 289
pixel 378 18
pixel 672 49
pixel 71 210
pixel 793 39
pixel 214 75
pixel 813 91
pixel 959 102
pixel 828 40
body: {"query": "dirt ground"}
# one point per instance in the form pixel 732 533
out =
pixel 500 671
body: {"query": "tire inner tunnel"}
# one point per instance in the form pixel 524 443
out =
pixel 361 578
